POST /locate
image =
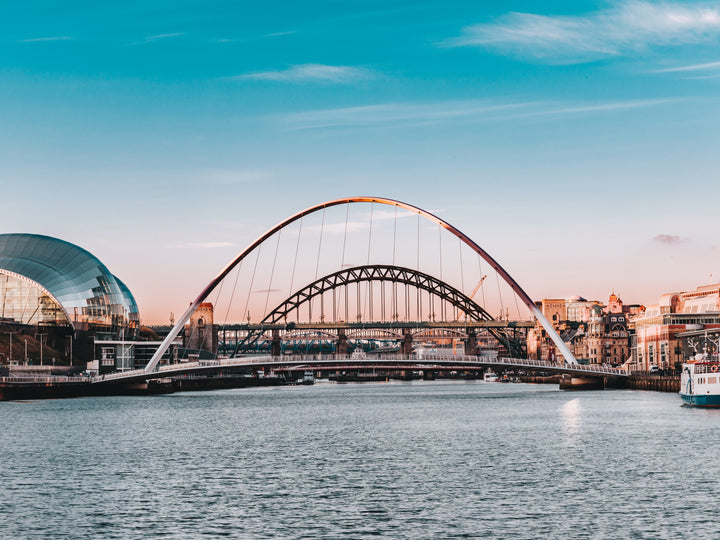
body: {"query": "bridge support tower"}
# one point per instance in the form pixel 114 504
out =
pixel 471 345
pixel 406 347
pixel 275 344
pixel 342 344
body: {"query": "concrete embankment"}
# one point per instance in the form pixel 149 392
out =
pixel 540 379
pixel 658 383
pixel 15 388
pixel 636 381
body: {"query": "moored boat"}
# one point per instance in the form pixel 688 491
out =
pixel 700 384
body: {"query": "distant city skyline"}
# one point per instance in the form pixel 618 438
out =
pixel 575 141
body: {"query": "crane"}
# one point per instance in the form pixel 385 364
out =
pixel 473 293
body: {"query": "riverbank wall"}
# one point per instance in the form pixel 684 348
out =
pixel 657 383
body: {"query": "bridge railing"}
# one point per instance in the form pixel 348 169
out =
pixel 119 375
pixel 43 380
pixel 459 360
pixel 372 359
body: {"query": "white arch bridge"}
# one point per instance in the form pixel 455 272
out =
pixel 385 281
pixel 345 362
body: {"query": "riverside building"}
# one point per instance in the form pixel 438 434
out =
pixel 594 332
pixel 61 296
pixel 661 332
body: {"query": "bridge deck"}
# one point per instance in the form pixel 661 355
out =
pixel 444 362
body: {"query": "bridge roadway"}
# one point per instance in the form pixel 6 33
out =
pixel 375 325
pixel 337 362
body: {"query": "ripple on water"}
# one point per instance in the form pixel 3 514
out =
pixel 449 460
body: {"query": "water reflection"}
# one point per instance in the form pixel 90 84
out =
pixel 399 461
pixel 571 412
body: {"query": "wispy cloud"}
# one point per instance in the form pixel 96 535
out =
pixel 708 66
pixel 397 114
pixel 228 177
pixel 339 228
pixel 248 39
pixel 628 26
pixel 602 107
pixel 280 34
pixel 49 38
pixel 701 77
pixel 669 239
pixel 158 37
pixel 361 222
pixel 311 73
pixel 442 112
pixel 206 245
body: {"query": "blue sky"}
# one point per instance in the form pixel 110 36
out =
pixel 576 141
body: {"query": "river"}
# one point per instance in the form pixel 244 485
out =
pixel 391 460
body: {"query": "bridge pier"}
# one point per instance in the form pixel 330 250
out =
pixel 275 344
pixel 342 342
pixel 406 347
pixel 471 344
pixel 569 382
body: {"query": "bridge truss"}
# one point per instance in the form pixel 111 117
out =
pixel 380 274
pixel 368 273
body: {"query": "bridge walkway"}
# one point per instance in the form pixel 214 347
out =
pixel 391 361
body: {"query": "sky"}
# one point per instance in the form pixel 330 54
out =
pixel 577 142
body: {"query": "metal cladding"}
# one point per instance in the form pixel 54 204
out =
pixel 58 274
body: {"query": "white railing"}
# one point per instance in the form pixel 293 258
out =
pixel 439 360
pixel 266 360
pixel 45 379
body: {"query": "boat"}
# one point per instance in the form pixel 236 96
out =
pixel 700 384
pixel 489 376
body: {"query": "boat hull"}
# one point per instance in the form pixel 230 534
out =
pixel 708 400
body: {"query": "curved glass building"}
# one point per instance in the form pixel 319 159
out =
pixel 47 281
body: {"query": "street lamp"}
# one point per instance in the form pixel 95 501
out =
pixel 678 352
pixel 11 335
pixel 70 338
pixel 41 336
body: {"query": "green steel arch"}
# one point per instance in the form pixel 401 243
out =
pixel 383 273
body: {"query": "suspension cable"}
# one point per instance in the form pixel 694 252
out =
pixel 442 304
pixel 482 283
pixel 367 289
pixel 297 247
pixel 342 261
pixel 252 281
pixel 232 296
pixel 347 215
pixel 517 306
pixel 462 274
pixel 322 229
pixel 502 307
pixel 272 273
pixel 394 235
pixel 418 242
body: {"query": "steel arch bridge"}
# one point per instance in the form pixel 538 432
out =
pixel 381 274
pixel 154 362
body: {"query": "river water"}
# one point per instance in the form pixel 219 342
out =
pixel 393 460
